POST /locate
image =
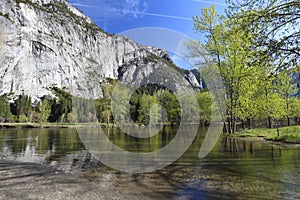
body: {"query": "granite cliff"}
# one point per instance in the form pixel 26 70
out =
pixel 46 43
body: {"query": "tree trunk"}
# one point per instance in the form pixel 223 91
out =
pixel 288 121
pixel 269 122
pixel 243 124
pixel 234 124
pixel 225 128
pixel 249 123
pixel 229 126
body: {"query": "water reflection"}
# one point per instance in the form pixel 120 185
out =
pixel 236 168
pixel 60 147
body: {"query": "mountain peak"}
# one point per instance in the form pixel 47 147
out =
pixel 48 43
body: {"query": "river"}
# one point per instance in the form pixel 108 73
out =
pixel 53 163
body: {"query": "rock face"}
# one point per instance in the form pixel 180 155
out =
pixel 47 43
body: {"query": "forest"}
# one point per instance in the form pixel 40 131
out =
pixel 62 108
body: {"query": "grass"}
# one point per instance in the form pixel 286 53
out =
pixel 290 134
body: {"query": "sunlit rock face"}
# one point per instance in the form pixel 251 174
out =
pixel 47 43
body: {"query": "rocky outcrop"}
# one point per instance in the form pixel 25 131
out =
pixel 47 43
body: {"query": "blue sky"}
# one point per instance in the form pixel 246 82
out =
pixel 116 16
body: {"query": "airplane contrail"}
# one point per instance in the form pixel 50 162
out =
pixel 210 2
pixel 166 16
pixel 139 12
pixel 84 5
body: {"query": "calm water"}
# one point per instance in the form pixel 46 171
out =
pixel 236 168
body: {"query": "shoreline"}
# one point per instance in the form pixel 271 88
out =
pixel 35 125
pixel 265 140
pixel 46 125
pixel 288 136
pixel 60 125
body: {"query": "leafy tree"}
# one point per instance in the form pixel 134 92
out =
pixel 249 50
pixel 248 106
pixel 61 105
pixel 45 110
pixel 21 106
pixel 148 106
pixel 121 106
pixel 23 118
pixel 287 89
pixel 228 47
pixel 72 117
pixel 103 105
pixel 274 24
pixel 5 112
pixel 83 110
pixel 204 102
pixel 172 106
pixel 155 113
pixel 294 109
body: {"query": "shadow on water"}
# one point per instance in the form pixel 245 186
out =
pixel 236 168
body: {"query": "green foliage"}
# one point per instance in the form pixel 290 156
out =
pixel 21 105
pixel 205 104
pixel 171 104
pixel 23 118
pixel 33 115
pixel 5 112
pixel 103 110
pixel 230 49
pixel 255 88
pixel 45 111
pixel 60 106
pixel 271 22
pixel 289 134
pixel 83 110
pixel 148 109
pixel 103 105
pixel 146 106
pixel 72 117
pixel 294 108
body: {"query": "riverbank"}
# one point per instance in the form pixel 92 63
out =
pixel 61 125
pixel 36 125
pixel 46 125
pixel 290 134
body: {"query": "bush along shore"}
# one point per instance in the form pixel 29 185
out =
pixel 290 134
